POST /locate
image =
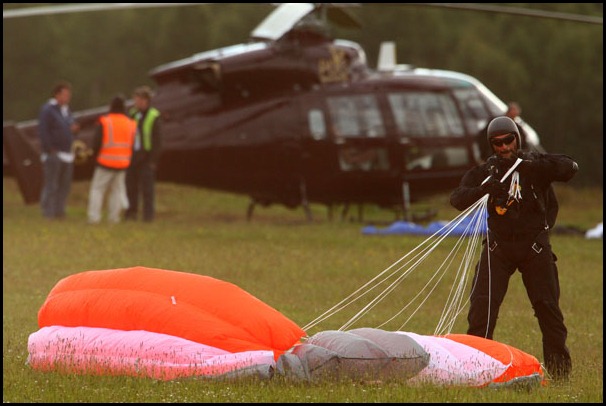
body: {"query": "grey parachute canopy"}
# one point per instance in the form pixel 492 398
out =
pixel 359 354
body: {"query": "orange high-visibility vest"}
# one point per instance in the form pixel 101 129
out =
pixel 118 137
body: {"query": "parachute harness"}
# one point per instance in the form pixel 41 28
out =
pixel 514 195
pixel 467 250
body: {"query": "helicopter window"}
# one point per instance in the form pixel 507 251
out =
pixel 424 114
pixel 474 110
pixel 353 158
pixel 425 158
pixel 207 77
pixel 317 125
pixel 356 116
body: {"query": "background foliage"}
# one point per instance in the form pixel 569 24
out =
pixel 553 68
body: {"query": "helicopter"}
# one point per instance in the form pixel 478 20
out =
pixel 295 117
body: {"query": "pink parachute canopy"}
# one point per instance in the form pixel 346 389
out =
pixel 102 351
pixel 166 324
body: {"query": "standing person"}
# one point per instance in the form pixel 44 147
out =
pixel 56 129
pixel 112 147
pixel 141 174
pixel 521 211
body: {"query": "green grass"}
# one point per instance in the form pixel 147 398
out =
pixel 297 267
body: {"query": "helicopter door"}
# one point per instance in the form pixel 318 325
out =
pixel 345 152
pixel 435 145
pixel 358 129
pixel 359 135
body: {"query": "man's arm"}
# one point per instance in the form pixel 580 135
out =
pixel 43 128
pixel 552 167
pixel 470 189
pixel 156 142
pixel 97 141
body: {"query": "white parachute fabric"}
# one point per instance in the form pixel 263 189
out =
pixel 453 363
pixel 596 232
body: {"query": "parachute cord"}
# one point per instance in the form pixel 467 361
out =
pixel 454 305
pixel 451 256
pixel 513 167
pixel 352 297
pixel 514 187
pixel 390 288
pixel 363 290
pixel 489 258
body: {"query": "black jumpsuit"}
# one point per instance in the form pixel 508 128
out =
pixel 519 239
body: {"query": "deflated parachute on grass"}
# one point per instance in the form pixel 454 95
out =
pixel 195 307
pixel 165 325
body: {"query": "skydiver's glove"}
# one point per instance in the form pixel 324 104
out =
pixel 526 166
pixel 498 192
pixel 492 164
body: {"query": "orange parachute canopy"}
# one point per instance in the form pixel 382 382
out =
pixel 519 363
pixel 195 307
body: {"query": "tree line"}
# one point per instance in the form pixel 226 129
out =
pixel 552 68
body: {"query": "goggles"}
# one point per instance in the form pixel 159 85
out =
pixel 503 141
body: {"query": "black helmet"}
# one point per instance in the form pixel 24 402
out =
pixel 501 126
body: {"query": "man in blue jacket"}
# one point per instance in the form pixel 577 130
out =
pixel 56 129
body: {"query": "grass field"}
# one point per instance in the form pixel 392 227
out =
pixel 300 268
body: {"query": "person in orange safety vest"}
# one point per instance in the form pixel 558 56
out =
pixel 112 148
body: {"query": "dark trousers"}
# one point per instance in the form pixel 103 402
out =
pixel 537 264
pixel 140 181
pixel 57 184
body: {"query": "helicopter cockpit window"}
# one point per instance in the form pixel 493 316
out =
pixel 425 114
pixel 356 116
pixel 317 125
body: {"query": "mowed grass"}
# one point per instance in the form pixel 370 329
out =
pixel 300 268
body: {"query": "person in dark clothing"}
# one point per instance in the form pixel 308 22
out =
pixel 56 129
pixel 141 174
pixel 521 210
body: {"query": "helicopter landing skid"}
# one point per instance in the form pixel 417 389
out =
pixel 253 202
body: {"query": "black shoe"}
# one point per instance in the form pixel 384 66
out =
pixel 558 367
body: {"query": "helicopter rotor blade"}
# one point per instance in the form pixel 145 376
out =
pixel 78 8
pixel 335 12
pixel 515 11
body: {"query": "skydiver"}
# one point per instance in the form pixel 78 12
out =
pixel 520 215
